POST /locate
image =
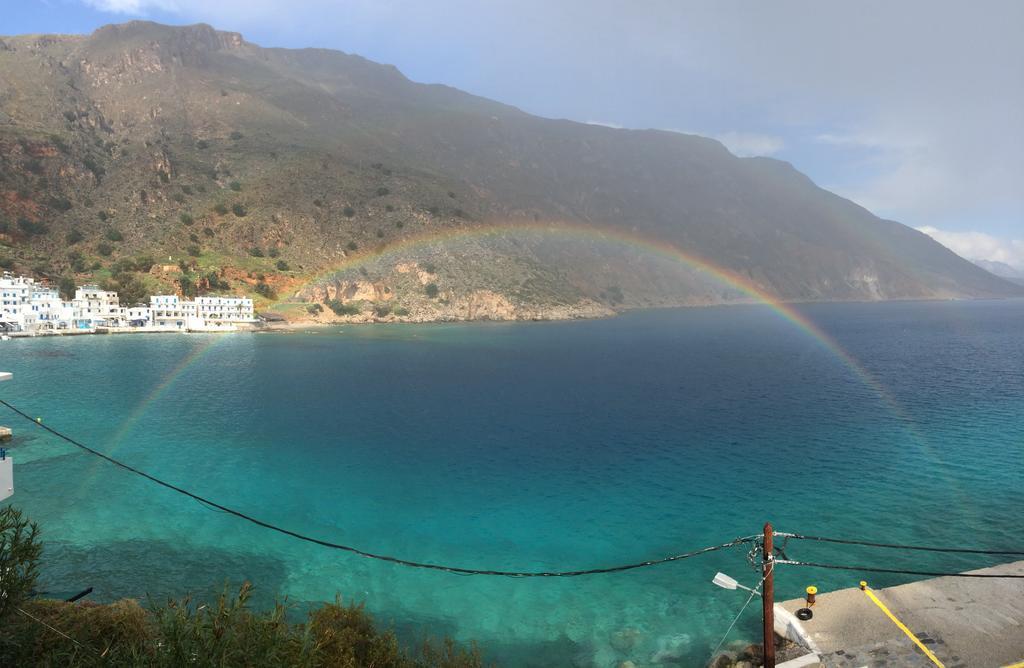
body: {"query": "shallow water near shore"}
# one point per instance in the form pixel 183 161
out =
pixel 540 446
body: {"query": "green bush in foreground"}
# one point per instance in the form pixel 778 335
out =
pixel 181 633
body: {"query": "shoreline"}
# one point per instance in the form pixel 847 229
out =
pixel 290 325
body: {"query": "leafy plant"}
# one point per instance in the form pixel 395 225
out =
pixel 19 560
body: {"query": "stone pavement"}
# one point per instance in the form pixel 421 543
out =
pixel 966 622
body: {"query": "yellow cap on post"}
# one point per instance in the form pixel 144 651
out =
pixel 863 584
pixel 812 590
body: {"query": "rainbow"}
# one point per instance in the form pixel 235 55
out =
pixel 133 418
pixel 754 293
pixel 728 278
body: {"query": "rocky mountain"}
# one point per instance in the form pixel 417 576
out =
pixel 156 157
pixel 1002 270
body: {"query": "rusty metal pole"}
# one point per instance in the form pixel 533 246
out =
pixel 768 596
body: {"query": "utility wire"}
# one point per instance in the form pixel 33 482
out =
pixel 753 592
pixel 57 631
pixel 895 546
pixel 790 562
pixel 364 553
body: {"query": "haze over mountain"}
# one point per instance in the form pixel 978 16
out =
pixel 323 175
pixel 1001 269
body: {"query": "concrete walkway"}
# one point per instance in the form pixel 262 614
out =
pixel 965 622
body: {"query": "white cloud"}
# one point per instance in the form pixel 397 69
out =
pixel 980 246
pixel 746 144
pixel 132 6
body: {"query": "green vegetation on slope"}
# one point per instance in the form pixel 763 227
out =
pixel 191 144
pixel 224 634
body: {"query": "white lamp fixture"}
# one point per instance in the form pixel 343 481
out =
pixel 726 582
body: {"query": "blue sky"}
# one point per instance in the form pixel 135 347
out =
pixel 911 108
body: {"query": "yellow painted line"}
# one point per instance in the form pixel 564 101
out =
pixel 901 625
pixel 1015 665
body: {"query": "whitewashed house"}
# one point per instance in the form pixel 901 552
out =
pixel 169 311
pixel 15 310
pixel 203 314
pixel 224 312
pixel 94 307
pixel 49 310
pixel 138 315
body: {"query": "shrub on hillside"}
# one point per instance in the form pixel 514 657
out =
pixel 59 203
pixel 432 290
pixel 265 290
pixel 32 228
pixel 238 210
pixel 104 249
pixel 341 308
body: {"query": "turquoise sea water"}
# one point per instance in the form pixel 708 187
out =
pixel 527 446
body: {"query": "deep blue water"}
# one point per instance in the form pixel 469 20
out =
pixel 527 446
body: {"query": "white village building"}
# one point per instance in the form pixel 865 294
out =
pixel 95 307
pixel 15 312
pixel 50 311
pixel 205 313
pixel 27 306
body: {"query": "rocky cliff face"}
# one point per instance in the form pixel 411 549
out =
pixel 312 174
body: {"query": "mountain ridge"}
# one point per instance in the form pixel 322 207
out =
pixel 264 168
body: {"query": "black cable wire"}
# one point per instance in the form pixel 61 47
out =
pixel 371 555
pixel 898 570
pixel 843 541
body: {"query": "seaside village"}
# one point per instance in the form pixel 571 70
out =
pixel 30 308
